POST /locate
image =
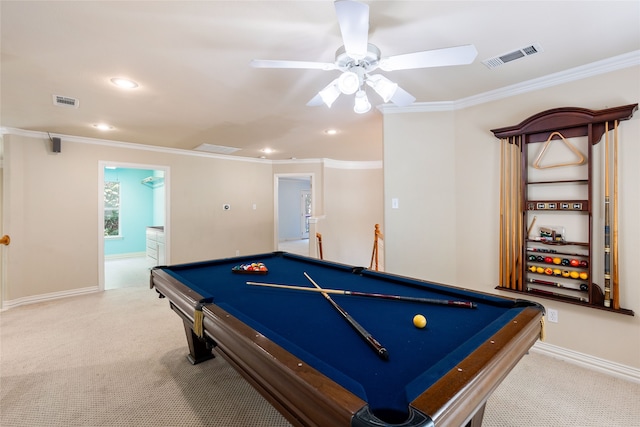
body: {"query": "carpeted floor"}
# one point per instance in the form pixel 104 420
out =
pixel 117 358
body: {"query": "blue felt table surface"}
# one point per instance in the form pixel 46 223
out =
pixel 306 325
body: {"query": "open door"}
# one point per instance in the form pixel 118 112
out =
pixel 293 207
pixel 133 201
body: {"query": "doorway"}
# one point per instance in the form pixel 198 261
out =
pixel 133 207
pixel 293 208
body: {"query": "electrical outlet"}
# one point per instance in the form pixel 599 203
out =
pixel 552 315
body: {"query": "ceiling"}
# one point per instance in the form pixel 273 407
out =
pixel 191 60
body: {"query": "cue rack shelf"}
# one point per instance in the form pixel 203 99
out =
pixel 547 167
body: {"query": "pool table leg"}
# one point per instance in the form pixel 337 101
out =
pixel 476 421
pixel 199 349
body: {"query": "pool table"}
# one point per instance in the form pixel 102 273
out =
pixel 302 355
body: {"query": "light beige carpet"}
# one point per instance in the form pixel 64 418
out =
pixel 117 358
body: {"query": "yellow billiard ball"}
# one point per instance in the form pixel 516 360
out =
pixel 419 321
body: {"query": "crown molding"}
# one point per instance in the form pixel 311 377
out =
pixel 328 163
pixel 127 145
pixel 615 63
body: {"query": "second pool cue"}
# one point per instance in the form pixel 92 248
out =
pixel 615 288
pixel 501 226
pixel 377 347
pixel 607 231
pixel 514 216
pixel 454 303
pixel 520 222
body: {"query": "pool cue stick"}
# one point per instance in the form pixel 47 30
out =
pixel 501 227
pixel 514 223
pixel 454 303
pixel 555 294
pixel 615 287
pixel 377 347
pixel 507 214
pixel 607 232
pixel 583 287
pixel 519 263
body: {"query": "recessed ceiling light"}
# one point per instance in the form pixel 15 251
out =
pixel 331 131
pixel 124 83
pixel 267 150
pixel 102 126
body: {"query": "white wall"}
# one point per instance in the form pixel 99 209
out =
pixel 419 153
pixel 353 206
pixel 449 161
pixel 51 205
pixel 51 210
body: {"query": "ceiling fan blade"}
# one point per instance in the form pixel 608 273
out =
pixel 459 55
pixel 353 18
pixel 316 101
pixel 402 98
pixel 272 63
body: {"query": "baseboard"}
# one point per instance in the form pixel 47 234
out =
pixel 6 305
pixel 608 367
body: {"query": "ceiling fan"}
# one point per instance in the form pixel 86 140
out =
pixel 358 58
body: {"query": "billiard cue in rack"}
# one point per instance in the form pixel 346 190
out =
pixel 501 238
pixel 506 186
pixel 556 294
pixel 615 288
pixel 519 215
pixel 377 347
pixel 453 303
pixel 515 215
pixel 511 225
pixel 511 216
pixel 607 231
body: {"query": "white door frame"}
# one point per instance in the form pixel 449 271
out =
pixel 167 220
pixel 276 190
pixel 304 232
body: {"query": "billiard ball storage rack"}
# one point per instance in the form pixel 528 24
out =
pixel 552 176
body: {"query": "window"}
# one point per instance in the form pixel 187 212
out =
pixel 111 208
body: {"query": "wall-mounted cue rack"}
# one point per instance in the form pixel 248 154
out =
pixel 549 245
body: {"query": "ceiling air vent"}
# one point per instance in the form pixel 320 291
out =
pixel 512 56
pixel 65 101
pixel 217 149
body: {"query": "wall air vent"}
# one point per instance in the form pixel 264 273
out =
pixel 217 149
pixel 502 59
pixel 65 101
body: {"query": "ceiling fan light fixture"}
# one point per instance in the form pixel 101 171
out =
pixel 348 82
pixel 362 104
pixel 329 94
pixel 383 86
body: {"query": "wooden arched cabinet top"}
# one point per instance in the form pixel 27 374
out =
pixel 573 121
